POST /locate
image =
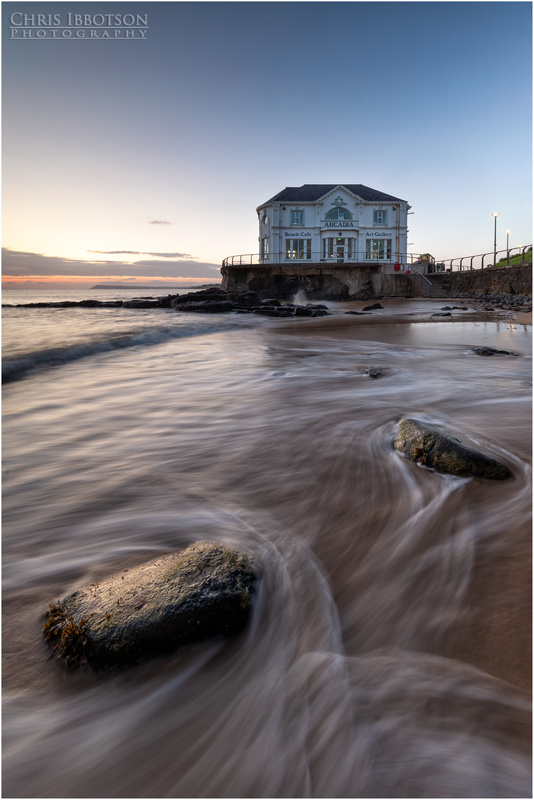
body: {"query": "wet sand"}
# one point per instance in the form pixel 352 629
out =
pixel 410 310
pixel 498 631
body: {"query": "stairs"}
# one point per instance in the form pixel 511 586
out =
pixel 423 286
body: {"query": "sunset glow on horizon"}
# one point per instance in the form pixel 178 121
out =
pixel 83 281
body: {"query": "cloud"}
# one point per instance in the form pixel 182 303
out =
pixel 20 263
pixel 159 222
pixel 141 253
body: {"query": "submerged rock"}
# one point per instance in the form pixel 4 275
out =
pixel 375 372
pixel 434 446
pixel 374 307
pixel 180 598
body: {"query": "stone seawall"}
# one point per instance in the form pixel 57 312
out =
pixel 364 281
pixel 319 281
pixel 482 282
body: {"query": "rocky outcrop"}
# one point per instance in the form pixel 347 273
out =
pixel 221 302
pixel 433 446
pixel 205 301
pixel 68 304
pixel 180 598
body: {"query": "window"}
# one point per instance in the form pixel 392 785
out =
pixel 265 247
pixel 380 218
pixel 297 217
pixel 339 213
pixel 379 249
pixel 298 248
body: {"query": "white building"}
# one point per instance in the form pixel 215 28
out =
pixel 333 223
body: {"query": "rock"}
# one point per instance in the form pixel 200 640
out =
pixel 442 314
pixel 270 302
pixel 141 303
pixel 434 446
pixel 311 311
pixel 180 598
pixel 374 373
pixel 202 296
pixel 373 307
pixel 491 351
pixel 275 311
pixel 285 311
pixel 246 299
pixel 207 306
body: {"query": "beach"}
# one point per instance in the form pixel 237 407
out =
pixel 388 651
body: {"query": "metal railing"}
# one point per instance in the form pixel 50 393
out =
pixel 469 262
pixel 251 259
pixel 457 264
pixel 421 274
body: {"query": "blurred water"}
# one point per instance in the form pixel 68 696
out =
pixel 388 647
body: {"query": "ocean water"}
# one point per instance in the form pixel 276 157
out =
pixel 388 649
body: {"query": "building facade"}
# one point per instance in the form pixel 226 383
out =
pixel 333 224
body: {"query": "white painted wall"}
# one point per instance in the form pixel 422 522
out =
pixel 276 226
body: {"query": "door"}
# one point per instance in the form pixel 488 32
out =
pixel 340 253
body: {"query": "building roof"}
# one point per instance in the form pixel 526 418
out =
pixel 310 192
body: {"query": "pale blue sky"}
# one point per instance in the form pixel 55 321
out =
pixel 166 146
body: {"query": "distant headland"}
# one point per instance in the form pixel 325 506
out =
pixel 159 286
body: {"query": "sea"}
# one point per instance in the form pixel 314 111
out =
pixel 388 648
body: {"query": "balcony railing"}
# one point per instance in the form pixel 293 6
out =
pixel 480 261
pixel 318 258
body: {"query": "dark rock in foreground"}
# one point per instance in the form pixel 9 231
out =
pixel 491 351
pixel 199 593
pixel 374 307
pixel 435 447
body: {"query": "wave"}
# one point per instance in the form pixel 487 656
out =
pixel 17 367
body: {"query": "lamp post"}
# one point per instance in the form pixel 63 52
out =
pixel 495 215
pixel 507 249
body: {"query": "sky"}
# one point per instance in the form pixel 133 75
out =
pixel 143 159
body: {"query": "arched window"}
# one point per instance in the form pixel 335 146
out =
pixel 339 213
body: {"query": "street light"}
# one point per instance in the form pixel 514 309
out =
pixel 495 214
pixel 507 249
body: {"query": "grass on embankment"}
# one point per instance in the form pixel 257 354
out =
pixel 516 260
